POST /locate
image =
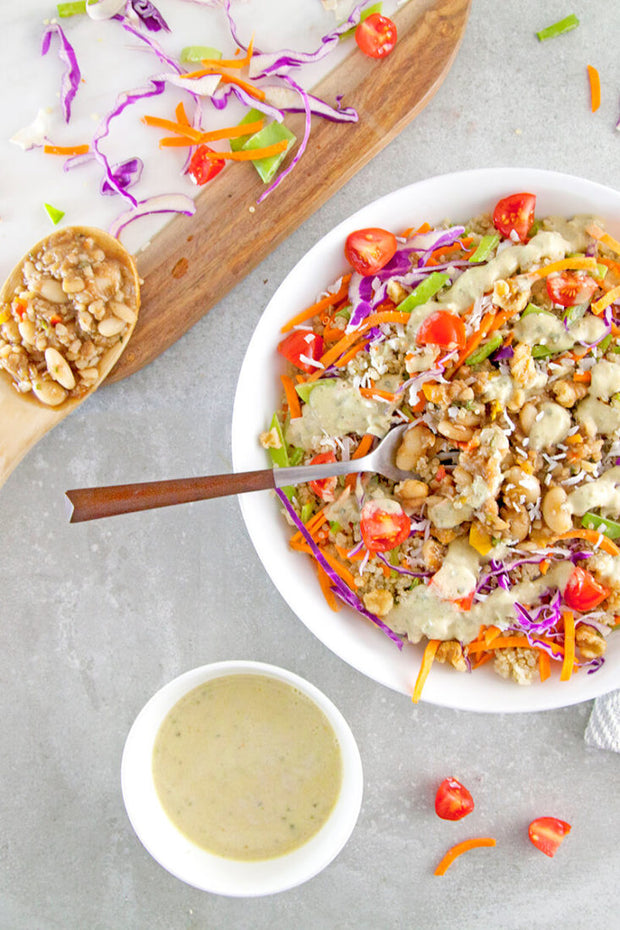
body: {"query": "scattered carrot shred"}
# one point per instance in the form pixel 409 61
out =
pixel 595 88
pixel 326 589
pixel 597 306
pixel 576 263
pixel 430 651
pixel 569 645
pixel 292 397
pixel 459 849
pixel 597 233
pixel 474 341
pixel 375 319
pixel 544 665
pixel 66 149
pixel 592 536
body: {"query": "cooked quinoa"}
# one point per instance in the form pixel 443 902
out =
pixel 502 531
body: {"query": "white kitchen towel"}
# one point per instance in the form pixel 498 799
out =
pixel 603 729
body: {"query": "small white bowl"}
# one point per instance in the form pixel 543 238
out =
pixel 202 869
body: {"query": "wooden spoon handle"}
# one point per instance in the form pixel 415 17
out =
pixel 94 503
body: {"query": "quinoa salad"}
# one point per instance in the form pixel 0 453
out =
pixel 498 342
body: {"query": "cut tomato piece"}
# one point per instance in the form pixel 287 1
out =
pixel 368 250
pixel 300 347
pixel 376 35
pixel 202 169
pixel 325 488
pixel 583 592
pixel 570 287
pixel 515 214
pixel 442 328
pixel 453 801
pixel 384 525
pixel 546 833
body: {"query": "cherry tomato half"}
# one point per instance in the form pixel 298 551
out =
pixel 453 801
pixel 546 833
pixel 442 328
pixel 570 287
pixel 325 488
pixel 515 214
pixel 368 250
pixel 376 36
pixel 202 169
pixel 384 525
pixel 583 592
pixel 300 346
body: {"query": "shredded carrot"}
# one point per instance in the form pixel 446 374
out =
pixel 320 305
pixel 229 132
pixel 578 262
pixel 365 445
pixel 181 115
pixel 595 88
pixel 248 87
pixel 375 319
pixel 482 660
pixel 597 306
pixel 326 589
pixel 569 645
pixel 376 392
pixel 611 264
pixel 543 567
pixel 459 849
pixel 427 660
pixel 474 341
pixel 509 642
pixel 249 154
pixel 500 318
pixel 66 149
pixel 292 397
pixel 544 665
pixel 584 377
pixel 597 539
pixel 597 233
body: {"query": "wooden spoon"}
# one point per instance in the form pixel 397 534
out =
pixel 23 418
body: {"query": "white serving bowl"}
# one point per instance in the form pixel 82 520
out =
pixel 194 865
pixel 455 197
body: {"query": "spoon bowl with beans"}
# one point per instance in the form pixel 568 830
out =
pixel 67 311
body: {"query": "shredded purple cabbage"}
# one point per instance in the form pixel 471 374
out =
pixel 162 203
pixel 72 74
pixel 148 14
pixel 339 587
pixel 502 353
pixel 125 175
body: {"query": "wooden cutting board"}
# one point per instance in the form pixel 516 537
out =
pixel 194 261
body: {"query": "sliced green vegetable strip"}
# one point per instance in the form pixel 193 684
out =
pixel 296 456
pixel 70 9
pixel 572 314
pixel 279 457
pixel 306 512
pixel 559 28
pixel 373 8
pixel 483 351
pixel 542 352
pixel 423 292
pixel 532 308
pixel 484 249
pixel 193 53
pixel 304 390
pixel 592 521
pixel 250 117
pixel 54 213
pixel 269 135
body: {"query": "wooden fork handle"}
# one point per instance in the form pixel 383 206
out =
pixel 94 503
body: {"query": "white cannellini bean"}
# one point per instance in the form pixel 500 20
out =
pixel 27 331
pixel 111 326
pixel 51 290
pixel 123 312
pixel 48 392
pixel 59 368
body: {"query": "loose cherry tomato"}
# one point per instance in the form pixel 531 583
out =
pixel 546 833
pixel 570 287
pixel 384 525
pixel 325 488
pixel 300 346
pixel 202 169
pixel 442 328
pixel 515 213
pixel 368 250
pixel 453 801
pixel 376 35
pixel 583 592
